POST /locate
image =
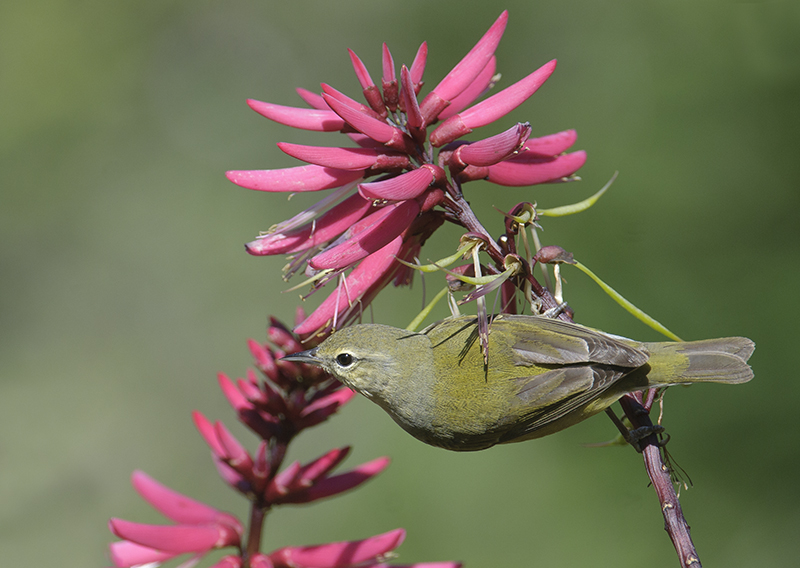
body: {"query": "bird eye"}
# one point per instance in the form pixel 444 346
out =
pixel 344 359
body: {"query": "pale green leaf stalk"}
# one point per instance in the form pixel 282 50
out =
pixel 637 313
pixel 417 321
pixel 577 207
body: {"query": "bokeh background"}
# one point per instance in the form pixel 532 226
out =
pixel 125 287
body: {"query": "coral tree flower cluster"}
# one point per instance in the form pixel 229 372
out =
pixel 403 175
pixel 285 400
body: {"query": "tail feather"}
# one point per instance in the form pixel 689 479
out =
pixel 712 360
pixel 741 347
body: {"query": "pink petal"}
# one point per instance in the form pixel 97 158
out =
pixel 329 226
pixel 261 469
pixel 322 408
pixel 336 484
pixel 361 70
pixel 208 433
pixel 237 456
pixel 299 315
pixel 283 482
pixel 387 64
pixel 230 476
pixel 283 339
pixel 230 562
pixel 500 104
pixel 407 185
pixel 550 145
pixel 426 565
pixel 265 425
pixel 479 86
pixel 465 72
pixel 343 158
pixel 371 92
pixel 337 554
pixel 374 128
pixel 313 100
pixel 261 560
pixel 495 148
pixel 300 178
pixel 176 539
pixel 264 359
pixel 329 91
pixel 306 119
pixel 389 79
pixel 418 66
pixel 235 398
pixel 125 554
pixel 251 392
pixel 312 471
pixel 368 235
pixel 525 170
pixel 266 396
pixel 489 110
pixel 414 119
pixel 176 506
pixel 368 273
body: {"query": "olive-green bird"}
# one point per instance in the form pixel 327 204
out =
pixel 543 375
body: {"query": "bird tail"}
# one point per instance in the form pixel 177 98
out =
pixel 721 360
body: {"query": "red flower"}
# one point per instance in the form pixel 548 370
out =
pixel 367 225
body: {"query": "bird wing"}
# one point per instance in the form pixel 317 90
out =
pixel 545 398
pixel 545 341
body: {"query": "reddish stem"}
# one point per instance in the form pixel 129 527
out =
pixel 258 512
pixel 674 522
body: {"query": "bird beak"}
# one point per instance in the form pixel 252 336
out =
pixel 309 357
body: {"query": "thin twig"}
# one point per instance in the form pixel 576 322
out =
pixel 674 522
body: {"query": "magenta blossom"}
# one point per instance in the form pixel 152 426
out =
pixel 287 399
pixel 201 528
pixel 393 189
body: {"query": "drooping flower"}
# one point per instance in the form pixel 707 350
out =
pixel 393 189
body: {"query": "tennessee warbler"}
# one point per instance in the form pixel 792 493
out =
pixel 543 375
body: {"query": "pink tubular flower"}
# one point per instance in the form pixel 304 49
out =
pixel 405 188
pixel 200 529
pixel 290 398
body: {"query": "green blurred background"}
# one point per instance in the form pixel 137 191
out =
pixel 125 287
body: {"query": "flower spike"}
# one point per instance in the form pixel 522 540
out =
pixel 407 185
